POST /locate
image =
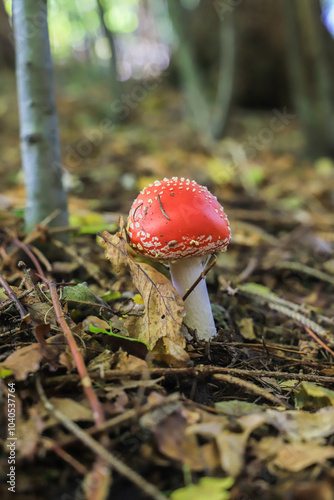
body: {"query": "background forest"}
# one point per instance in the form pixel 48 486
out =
pixel 108 396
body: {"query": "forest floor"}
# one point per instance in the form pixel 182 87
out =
pixel 248 416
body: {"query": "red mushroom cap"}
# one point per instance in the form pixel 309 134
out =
pixel 177 218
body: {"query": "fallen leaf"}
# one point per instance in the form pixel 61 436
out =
pixel 298 456
pixel 169 353
pixel 81 298
pixel 163 305
pixel 208 487
pixel 302 425
pixel 246 328
pixel 132 346
pixel 310 396
pixel 24 361
pixel 236 408
pixel 232 445
pixel 69 407
pixel 173 442
pixel 130 363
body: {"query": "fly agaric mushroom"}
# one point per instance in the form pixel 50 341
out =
pixel 181 222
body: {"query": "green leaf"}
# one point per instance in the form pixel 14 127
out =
pixel 212 488
pixel 81 297
pixel 94 329
pixel 5 373
pixel 238 408
pixel 110 295
pixel 256 288
pixel 312 397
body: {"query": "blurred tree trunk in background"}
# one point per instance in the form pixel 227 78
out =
pixel 40 147
pixel 260 79
pixel 188 71
pixel 209 119
pixel 114 83
pixel 7 53
pixel 310 58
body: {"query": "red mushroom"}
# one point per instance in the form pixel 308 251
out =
pixel 179 221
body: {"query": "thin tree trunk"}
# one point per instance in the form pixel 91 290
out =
pixel 197 105
pixel 226 74
pixel 115 84
pixel 210 120
pixel 40 149
pixel 310 78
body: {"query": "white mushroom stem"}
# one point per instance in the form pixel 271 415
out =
pixel 184 273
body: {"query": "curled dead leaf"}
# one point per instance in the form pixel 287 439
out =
pixel 163 305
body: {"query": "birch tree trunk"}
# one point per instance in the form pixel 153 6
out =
pixel 40 148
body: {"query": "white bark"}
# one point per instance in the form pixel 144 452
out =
pixel 184 273
pixel 40 147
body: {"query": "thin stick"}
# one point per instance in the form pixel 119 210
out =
pixel 319 341
pixel 14 299
pixel 30 254
pixel 203 371
pixel 249 386
pixel 123 418
pixel 146 487
pixel 200 277
pixel 78 466
pixel 77 356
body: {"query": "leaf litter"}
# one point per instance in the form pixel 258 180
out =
pixel 248 416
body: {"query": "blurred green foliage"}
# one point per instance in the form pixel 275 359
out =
pixel 75 25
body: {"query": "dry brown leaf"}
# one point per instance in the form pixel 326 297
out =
pixel 101 362
pixel 298 456
pixel 69 407
pixel 27 359
pixel 231 445
pixel 28 431
pixel 129 363
pixel 163 305
pixel 175 443
pixel 24 361
pixel 169 353
pixel 302 425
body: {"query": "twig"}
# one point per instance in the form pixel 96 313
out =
pixel 77 356
pixel 303 269
pixel 12 296
pixel 299 318
pixel 319 341
pixel 92 270
pixel 57 448
pixel 259 391
pixel 99 474
pixel 29 282
pixel 41 257
pixel 200 277
pixel 204 371
pixel 283 306
pixel 37 231
pixel 123 418
pixel 30 254
pixel 146 487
